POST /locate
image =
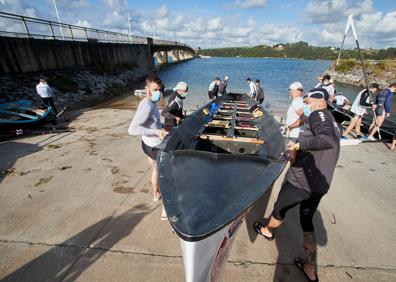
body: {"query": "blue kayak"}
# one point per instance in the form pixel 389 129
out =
pixel 23 113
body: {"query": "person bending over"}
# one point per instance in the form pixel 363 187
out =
pixel 313 160
pixel 173 112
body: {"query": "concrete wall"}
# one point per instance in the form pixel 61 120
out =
pixel 23 55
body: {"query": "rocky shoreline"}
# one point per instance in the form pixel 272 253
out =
pixel 73 89
pixel 350 72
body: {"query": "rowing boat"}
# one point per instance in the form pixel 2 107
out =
pixel 387 130
pixel 21 114
pixel 212 168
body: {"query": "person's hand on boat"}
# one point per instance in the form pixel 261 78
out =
pixel 178 120
pixel 162 133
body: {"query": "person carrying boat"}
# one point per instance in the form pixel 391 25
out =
pixel 381 106
pixel 223 86
pixel 147 124
pixel 46 93
pixel 260 92
pixel 359 108
pixel 312 163
pixel 173 112
pixel 252 88
pixel 340 100
pixel 295 114
pixel 213 90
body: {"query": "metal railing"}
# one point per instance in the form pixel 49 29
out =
pixel 12 25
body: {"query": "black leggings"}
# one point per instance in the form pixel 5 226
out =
pixel 290 196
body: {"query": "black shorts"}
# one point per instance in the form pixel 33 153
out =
pixel 150 151
pixel 290 196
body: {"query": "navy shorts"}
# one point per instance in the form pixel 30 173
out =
pixel 150 151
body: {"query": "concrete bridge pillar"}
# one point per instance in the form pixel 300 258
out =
pixel 175 55
pixel 162 57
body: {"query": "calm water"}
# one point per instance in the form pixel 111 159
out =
pixel 275 75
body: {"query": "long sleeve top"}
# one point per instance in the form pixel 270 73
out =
pixel 252 89
pixel 44 90
pixel 146 123
pixel 317 158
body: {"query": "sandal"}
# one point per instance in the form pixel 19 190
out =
pixel 257 227
pixel 156 197
pixel 299 262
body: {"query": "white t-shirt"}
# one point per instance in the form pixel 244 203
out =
pixel 329 88
pixel 292 116
pixel 356 108
pixel 44 90
pixel 340 100
pixel 252 88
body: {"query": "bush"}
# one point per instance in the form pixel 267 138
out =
pixel 346 65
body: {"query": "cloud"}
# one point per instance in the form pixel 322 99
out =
pixel 247 4
pixel 214 24
pixel 83 23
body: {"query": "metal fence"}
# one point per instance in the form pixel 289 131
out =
pixel 25 27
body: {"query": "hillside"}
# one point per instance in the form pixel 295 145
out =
pixel 299 50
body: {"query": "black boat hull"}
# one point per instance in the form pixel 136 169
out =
pixel 210 175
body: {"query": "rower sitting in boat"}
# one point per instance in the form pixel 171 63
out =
pixel 341 100
pixel 173 112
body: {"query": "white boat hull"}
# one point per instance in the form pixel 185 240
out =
pixel 203 260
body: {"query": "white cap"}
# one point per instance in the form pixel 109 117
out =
pixel 296 86
pixel 226 78
pixel 181 86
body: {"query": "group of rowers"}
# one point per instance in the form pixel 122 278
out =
pixel 219 87
pixel 380 105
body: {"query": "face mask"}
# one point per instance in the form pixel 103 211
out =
pixel 307 110
pixel 155 96
pixel 184 95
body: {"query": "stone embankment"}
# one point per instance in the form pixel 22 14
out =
pixel 73 89
pixel 350 72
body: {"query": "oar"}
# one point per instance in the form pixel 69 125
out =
pixel 364 71
pixel 348 25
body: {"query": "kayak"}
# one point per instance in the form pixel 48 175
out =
pixel 212 168
pixel 22 113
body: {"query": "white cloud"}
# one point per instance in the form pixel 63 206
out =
pixel 163 11
pixel 83 23
pixel 246 4
pixel 214 24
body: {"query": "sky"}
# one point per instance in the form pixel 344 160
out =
pixel 227 23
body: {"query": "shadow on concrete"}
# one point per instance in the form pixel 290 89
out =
pixel 289 242
pixel 68 260
pixel 11 152
pixel 257 211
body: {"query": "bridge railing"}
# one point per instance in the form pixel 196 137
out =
pixel 12 25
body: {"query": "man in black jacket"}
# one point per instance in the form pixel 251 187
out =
pixel 173 112
pixel 313 160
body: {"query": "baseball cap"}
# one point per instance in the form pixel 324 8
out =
pixel 181 86
pixel 296 86
pixel 226 78
pixel 318 93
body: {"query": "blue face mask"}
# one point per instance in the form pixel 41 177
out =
pixel 184 95
pixel 155 96
pixel 307 110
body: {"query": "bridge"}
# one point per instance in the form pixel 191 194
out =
pixel 36 45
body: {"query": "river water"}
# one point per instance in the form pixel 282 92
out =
pixel 275 75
